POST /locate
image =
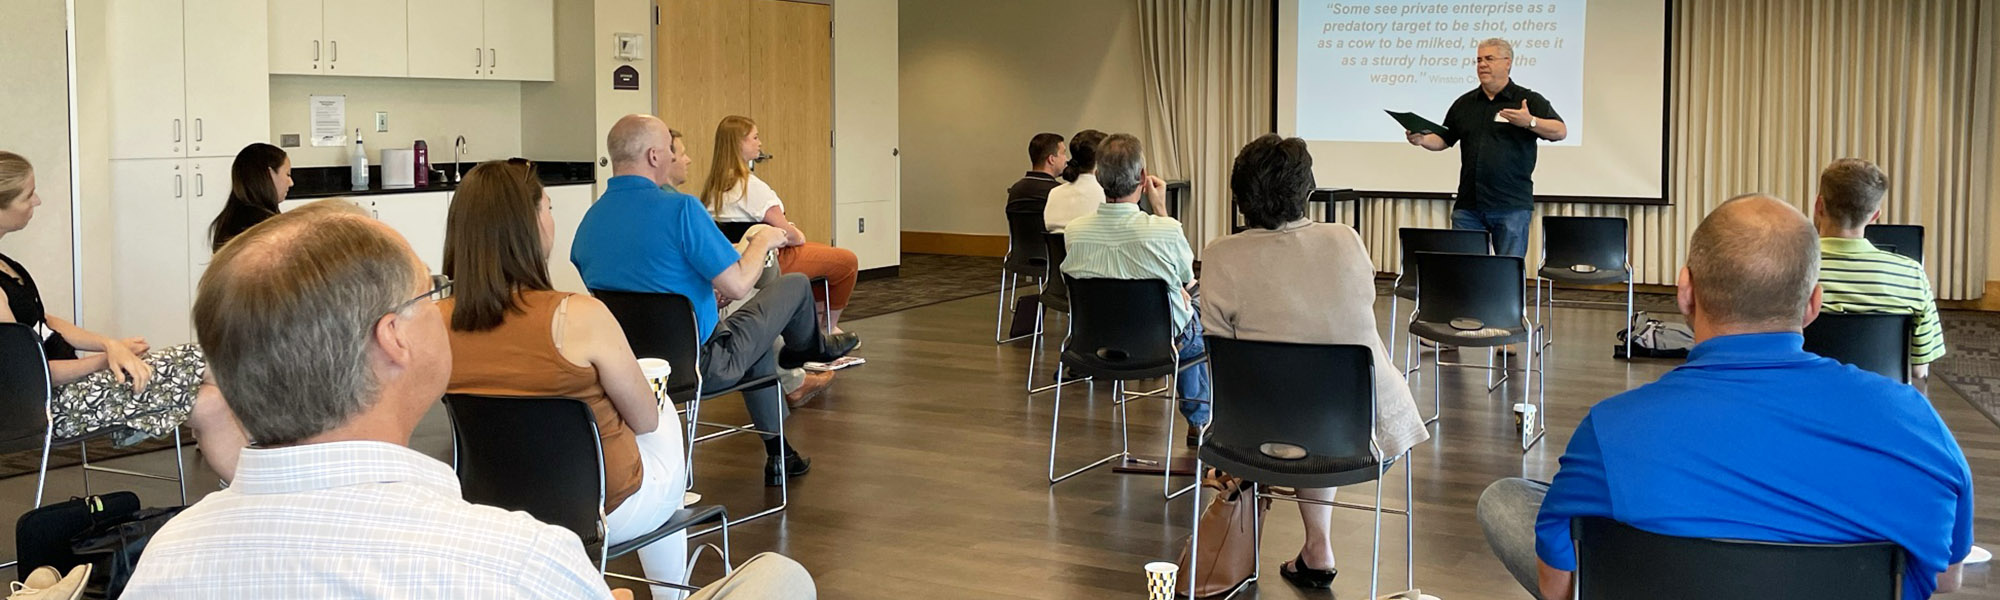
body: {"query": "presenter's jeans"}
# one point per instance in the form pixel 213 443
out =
pixel 1507 512
pixel 1508 227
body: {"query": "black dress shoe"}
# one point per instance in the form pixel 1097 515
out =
pixel 794 466
pixel 1303 576
pixel 831 348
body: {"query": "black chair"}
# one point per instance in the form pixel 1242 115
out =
pixel 1121 330
pixel 1878 343
pixel 25 412
pixel 542 456
pixel 1475 301
pixel 1027 256
pixel 1907 240
pixel 735 230
pixel 1054 296
pixel 1622 562
pixel 1412 240
pixel 663 326
pixel 1316 401
pixel 1584 251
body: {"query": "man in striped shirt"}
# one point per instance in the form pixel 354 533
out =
pixel 1857 277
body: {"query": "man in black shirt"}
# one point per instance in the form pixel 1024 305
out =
pixel 1498 124
pixel 1049 154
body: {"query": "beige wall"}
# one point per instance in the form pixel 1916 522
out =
pixel 35 124
pixel 979 78
pixel 615 17
pixel 557 117
pixel 487 113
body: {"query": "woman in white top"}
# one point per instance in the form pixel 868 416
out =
pixel 735 195
pixel 1081 195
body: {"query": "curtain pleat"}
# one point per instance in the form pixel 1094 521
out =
pixel 1765 94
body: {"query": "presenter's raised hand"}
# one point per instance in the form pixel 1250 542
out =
pixel 1519 117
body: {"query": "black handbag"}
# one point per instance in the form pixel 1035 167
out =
pixel 42 536
pixel 115 545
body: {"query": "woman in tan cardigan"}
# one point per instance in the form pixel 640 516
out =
pixel 1288 279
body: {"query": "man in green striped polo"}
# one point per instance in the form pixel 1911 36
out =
pixel 1857 277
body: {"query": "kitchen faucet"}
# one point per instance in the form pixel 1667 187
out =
pixel 458 148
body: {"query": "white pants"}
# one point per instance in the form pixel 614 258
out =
pixel 661 491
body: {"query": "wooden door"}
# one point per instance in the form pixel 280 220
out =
pixel 703 73
pixel 791 98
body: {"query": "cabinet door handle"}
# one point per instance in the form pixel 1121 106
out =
pixel 197 129
pixel 336 50
pixel 478 60
pixel 177 131
pixel 493 59
pixel 177 185
pixel 198 187
pixel 315 53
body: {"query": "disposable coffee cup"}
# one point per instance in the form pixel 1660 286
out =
pixel 1160 580
pixel 656 371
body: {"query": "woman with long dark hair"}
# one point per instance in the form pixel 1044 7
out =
pixel 512 334
pixel 258 181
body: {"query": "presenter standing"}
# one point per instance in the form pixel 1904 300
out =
pixel 1498 124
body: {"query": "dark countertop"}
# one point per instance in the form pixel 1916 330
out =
pixel 328 182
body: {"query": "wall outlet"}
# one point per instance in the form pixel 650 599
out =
pixel 288 140
pixel 381 121
pixel 861 225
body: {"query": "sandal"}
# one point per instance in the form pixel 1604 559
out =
pixel 1303 576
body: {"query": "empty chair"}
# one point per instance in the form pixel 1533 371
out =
pixel 1300 416
pixel 1475 301
pixel 1054 297
pixel 1621 562
pixel 1584 251
pixel 1413 240
pixel 1907 240
pixel 1027 256
pixel 25 393
pixel 541 456
pixel 663 326
pixel 1879 343
pixel 1120 330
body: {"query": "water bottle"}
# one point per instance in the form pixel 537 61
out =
pixel 358 164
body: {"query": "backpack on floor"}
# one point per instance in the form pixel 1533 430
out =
pixel 1656 339
pixel 42 536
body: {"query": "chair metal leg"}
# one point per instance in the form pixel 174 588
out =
pixel 1000 311
pixel 1055 426
pixel 1628 315
pixel 1166 468
pixel 1375 568
pixel 180 466
pixel 83 451
pixel 1532 430
pixel 1409 525
pixel 42 475
pixel 1035 347
pixel 1194 527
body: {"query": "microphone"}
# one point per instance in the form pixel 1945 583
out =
pixel 762 156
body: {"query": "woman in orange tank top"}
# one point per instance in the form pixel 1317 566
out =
pixel 512 334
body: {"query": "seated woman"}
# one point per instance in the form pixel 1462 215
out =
pixel 513 335
pixel 1079 194
pixel 735 195
pixel 258 181
pixel 1288 279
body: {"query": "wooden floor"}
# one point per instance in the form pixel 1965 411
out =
pixel 929 478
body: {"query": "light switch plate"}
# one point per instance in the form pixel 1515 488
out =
pixel 381 121
pixel 288 140
pixel 629 46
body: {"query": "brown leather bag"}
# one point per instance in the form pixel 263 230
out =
pixel 1228 529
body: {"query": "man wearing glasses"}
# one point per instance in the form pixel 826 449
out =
pixel 1498 124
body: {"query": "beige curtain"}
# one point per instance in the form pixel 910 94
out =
pixel 1767 92
pixel 1208 91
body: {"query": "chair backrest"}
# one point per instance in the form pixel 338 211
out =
pixel 1416 239
pixel 1056 293
pixel 734 230
pixel 537 455
pixel 660 326
pixel 24 388
pixel 1026 252
pixel 1596 241
pixel 1479 286
pixel 1875 342
pixel 1615 560
pixel 1320 397
pixel 1907 240
pixel 1119 328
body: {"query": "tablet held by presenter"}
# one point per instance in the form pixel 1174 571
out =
pixel 1495 127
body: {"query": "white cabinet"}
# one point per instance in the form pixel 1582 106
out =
pixel 520 40
pixel 362 38
pixel 420 217
pixel 446 40
pixel 569 202
pixel 180 84
pixel 150 262
pixel 482 39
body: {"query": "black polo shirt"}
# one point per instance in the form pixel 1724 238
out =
pixel 1031 193
pixel 1497 161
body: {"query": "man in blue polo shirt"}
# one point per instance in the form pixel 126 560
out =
pixel 641 238
pixel 1753 438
